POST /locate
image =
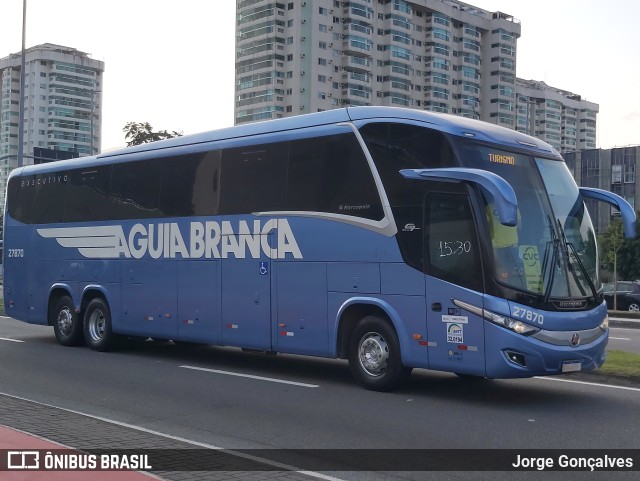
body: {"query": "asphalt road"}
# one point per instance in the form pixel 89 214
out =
pixel 201 394
pixel 624 339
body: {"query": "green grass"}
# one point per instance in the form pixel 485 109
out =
pixel 621 363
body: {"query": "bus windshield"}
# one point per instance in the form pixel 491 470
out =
pixel 552 250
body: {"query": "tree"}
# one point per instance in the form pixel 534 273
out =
pixel 137 133
pixel 612 241
pixel 629 260
pixel 629 256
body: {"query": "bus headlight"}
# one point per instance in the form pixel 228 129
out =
pixel 605 324
pixel 518 327
pixel 514 325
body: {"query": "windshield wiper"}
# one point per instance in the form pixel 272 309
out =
pixel 554 257
pixel 562 259
pixel 592 286
pixel 565 257
pixel 569 246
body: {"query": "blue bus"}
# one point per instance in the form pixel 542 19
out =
pixel 393 238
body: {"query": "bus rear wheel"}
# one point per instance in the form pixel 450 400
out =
pixel 374 355
pixel 97 326
pixel 67 325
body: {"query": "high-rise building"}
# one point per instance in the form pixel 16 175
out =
pixel 439 55
pixel 62 110
pixel 561 118
pixel 306 56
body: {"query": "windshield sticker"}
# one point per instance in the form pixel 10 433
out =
pixel 502 159
pixel 532 268
pixel 455 333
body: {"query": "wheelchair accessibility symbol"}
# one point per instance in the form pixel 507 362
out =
pixel 264 268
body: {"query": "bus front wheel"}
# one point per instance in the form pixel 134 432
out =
pixel 67 325
pixel 374 355
pixel 97 326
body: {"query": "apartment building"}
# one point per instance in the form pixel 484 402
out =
pixel 63 107
pixel 439 55
pixel 561 118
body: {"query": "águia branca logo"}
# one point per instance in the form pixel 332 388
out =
pixel 209 240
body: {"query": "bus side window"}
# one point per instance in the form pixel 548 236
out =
pixel 205 195
pixel 253 178
pixel 331 174
pixel 190 185
pixel 88 195
pixel 306 161
pixel 451 242
pixel 135 189
pixel 20 197
pixel 396 146
pixel 48 205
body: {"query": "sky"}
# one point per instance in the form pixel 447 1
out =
pixel 171 63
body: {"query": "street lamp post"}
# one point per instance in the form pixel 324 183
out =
pixel 22 86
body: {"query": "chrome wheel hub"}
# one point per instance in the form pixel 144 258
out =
pixel 96 325
pixel 373 354
pixel 65 321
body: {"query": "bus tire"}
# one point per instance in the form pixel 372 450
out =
pixel 97 326
pixel 67 325
pixel 374 355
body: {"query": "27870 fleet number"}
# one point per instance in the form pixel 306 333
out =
pixel 15 253
pixel 527 314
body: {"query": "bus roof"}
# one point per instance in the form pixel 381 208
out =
pixel 454 125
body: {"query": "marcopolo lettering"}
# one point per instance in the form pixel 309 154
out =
pixel 207 240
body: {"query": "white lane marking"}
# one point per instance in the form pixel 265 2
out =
pixel 11 340
pixel 250 376
pixel 284 467
pixel 610 386
pixel 620 338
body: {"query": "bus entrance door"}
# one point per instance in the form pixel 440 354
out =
pixel 455 333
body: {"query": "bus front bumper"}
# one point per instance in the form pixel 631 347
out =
pixel 511 355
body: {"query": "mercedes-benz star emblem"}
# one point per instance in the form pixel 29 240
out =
pixel 575 339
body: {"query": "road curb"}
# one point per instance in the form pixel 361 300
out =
pixel 625 323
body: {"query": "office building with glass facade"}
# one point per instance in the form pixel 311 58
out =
pixel 609 169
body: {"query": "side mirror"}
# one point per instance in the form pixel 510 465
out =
pixel 501 191
pixel 626 211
